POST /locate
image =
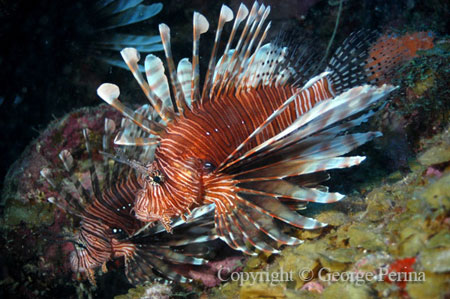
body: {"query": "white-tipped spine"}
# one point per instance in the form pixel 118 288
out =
pixel 131 57
pixel 108 92
pixel 180 102
pixel 226 15
pixel 240 16
pixel 201 25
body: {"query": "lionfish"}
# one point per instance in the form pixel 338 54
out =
pixel 256 140
pixel 108 229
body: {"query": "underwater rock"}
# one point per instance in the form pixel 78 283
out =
pixel 364 236
pixel 346 290
pixel 377 205
pixel 251 291
pixel 436 259
pixel 433 286
pixel 32 229
pixel 334 218
pixel 438 194
pixel 151 290
pixel 442 239
pixel 435 155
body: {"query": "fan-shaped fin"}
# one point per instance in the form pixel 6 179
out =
pixel 129 40
pixel 115 7
pixel 143 266
pixel 325 145
pixel 84 194
pixel 323 115
pixel 275 209
pixel 251 233
pixel 95 184
pixel 269 226
pixel 122 139
pixel 174 257
pixel 131 15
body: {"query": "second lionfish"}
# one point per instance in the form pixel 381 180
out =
pixel 257 138
pixel 108 230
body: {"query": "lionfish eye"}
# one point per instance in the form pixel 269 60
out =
pixel 208 166
pixel 155 177
pixel 116 230
pixel 119 233
pixel 79 245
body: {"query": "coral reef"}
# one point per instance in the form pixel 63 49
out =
pixel 34 251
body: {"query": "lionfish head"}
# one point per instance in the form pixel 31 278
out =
pixel 172 186
pixel 92 247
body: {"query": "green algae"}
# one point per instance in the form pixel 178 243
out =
pixel 435 155
pixel 343 290
pixel 436 260
pixel 365 236
pixel 35 215
pixel 438 194
pixel 147 290
pixel 434 286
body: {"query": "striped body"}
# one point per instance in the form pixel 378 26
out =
pixel 257 139
pixel 106 221
pixel 208 134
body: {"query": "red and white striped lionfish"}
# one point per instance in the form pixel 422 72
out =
pixel 256 140
pixel 109 230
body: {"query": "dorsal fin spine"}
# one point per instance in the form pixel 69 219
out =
pixel 232 64
pixel 110 94
pixel 179 103
pixel 201 25
pixel 131 57
pixel 245 78
pixel 240 16
pixel 226 15
pixel 262 15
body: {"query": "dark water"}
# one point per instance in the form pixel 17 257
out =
pixel 48 67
